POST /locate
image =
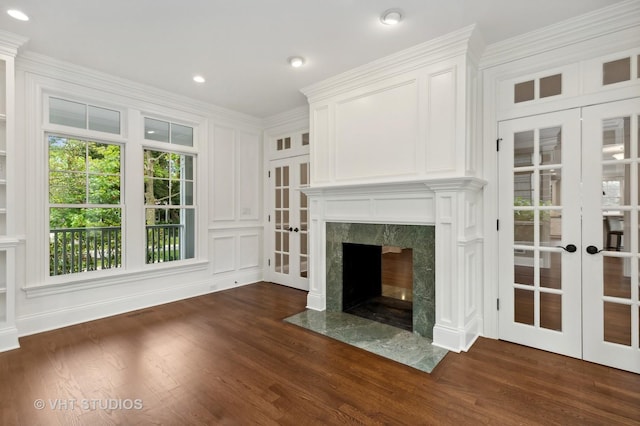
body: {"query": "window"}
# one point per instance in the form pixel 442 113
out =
pixel 169 205
pixel 85 205
pixel 164 131
pixel 83 116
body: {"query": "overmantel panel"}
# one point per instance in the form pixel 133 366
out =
pixel 376 133
pixel 411 125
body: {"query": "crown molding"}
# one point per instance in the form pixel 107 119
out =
pixel 286 118
pixel 54 68
pixel 433 51
pixel 594 24
pixel 10 42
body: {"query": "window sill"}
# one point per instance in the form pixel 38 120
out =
pixel 78 282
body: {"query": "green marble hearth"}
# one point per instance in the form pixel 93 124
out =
pixel 381 339
pixel 419 238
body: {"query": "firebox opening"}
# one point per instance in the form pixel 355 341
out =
pixel 378 283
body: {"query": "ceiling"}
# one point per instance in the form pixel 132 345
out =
pixel 241 46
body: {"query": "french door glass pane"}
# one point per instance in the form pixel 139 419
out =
pixel 551 146
pixel 617 323
pixel 523 271
pixel 551 311
pixel 524 306
pixel 282 211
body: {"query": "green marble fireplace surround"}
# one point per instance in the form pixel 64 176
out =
pixel 417 237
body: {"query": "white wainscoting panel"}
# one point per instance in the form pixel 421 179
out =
pixel 222 189
pixel 441 124
pixel 377 133
pixel 223 253
pixel 249 175
pixel 249 250
pixel 321 145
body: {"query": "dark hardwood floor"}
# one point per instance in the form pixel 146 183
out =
pixel 228 358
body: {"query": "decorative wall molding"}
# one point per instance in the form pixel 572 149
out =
pixel 431 52
pixel 57 318
pixel 10 43
pixel 571 31
pixel 46 66
pixel 284 121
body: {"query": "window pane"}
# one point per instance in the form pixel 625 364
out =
pixel 67 188
pixel 104 120
pixel 524 91
pixel 66 154
pixel 83 240
pixel 616 71
pixel 181 135
pixel 103 158
pixel 104 189
pixel 551 86
pixel 170 234
pixel 156 130
pixel 67 113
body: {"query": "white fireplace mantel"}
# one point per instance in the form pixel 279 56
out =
pixel 452 205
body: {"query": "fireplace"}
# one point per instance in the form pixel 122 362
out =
pixel 377 283
pixel 354 273
pixel 439 219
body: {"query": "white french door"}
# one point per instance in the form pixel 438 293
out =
pixel 288 222
pixel 569 230
pixel 611 163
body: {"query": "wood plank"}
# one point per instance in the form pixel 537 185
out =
pixel 228 358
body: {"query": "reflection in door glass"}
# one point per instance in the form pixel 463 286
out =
pixel 523 189
pixel 617 276
pixel 523 227
pixel 551 146
pixel 616 139
pixel 550 185
pixel 617 323
pixel 523 267
pixel 551 270
pixel 523 149
pixel 551 311
pixel 523 304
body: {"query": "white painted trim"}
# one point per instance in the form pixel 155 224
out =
pixel 42 65
pixel 283 122
pixel 73 284
pixel 430 52
pixel 10 43
pixel 571 31
pixel 51 320
pixel 9 339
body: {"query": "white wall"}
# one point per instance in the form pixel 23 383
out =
pixel 229 195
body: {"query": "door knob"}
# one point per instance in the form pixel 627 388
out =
pixel 290 229
pixel 295 230
pixel 571 248
pixel 593 250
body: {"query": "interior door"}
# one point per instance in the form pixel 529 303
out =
pixel 288 219
pixel 610 257
pixel 570 233
pixel 540 234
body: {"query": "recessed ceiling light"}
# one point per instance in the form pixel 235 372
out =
pixel 17 14
pixel 198 79
pixel 391 16
pixel 296 61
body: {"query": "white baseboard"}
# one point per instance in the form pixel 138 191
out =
pixel 456 340
pixel 51 320
pixel 316 301
pixel 9 339
pixel 228 281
